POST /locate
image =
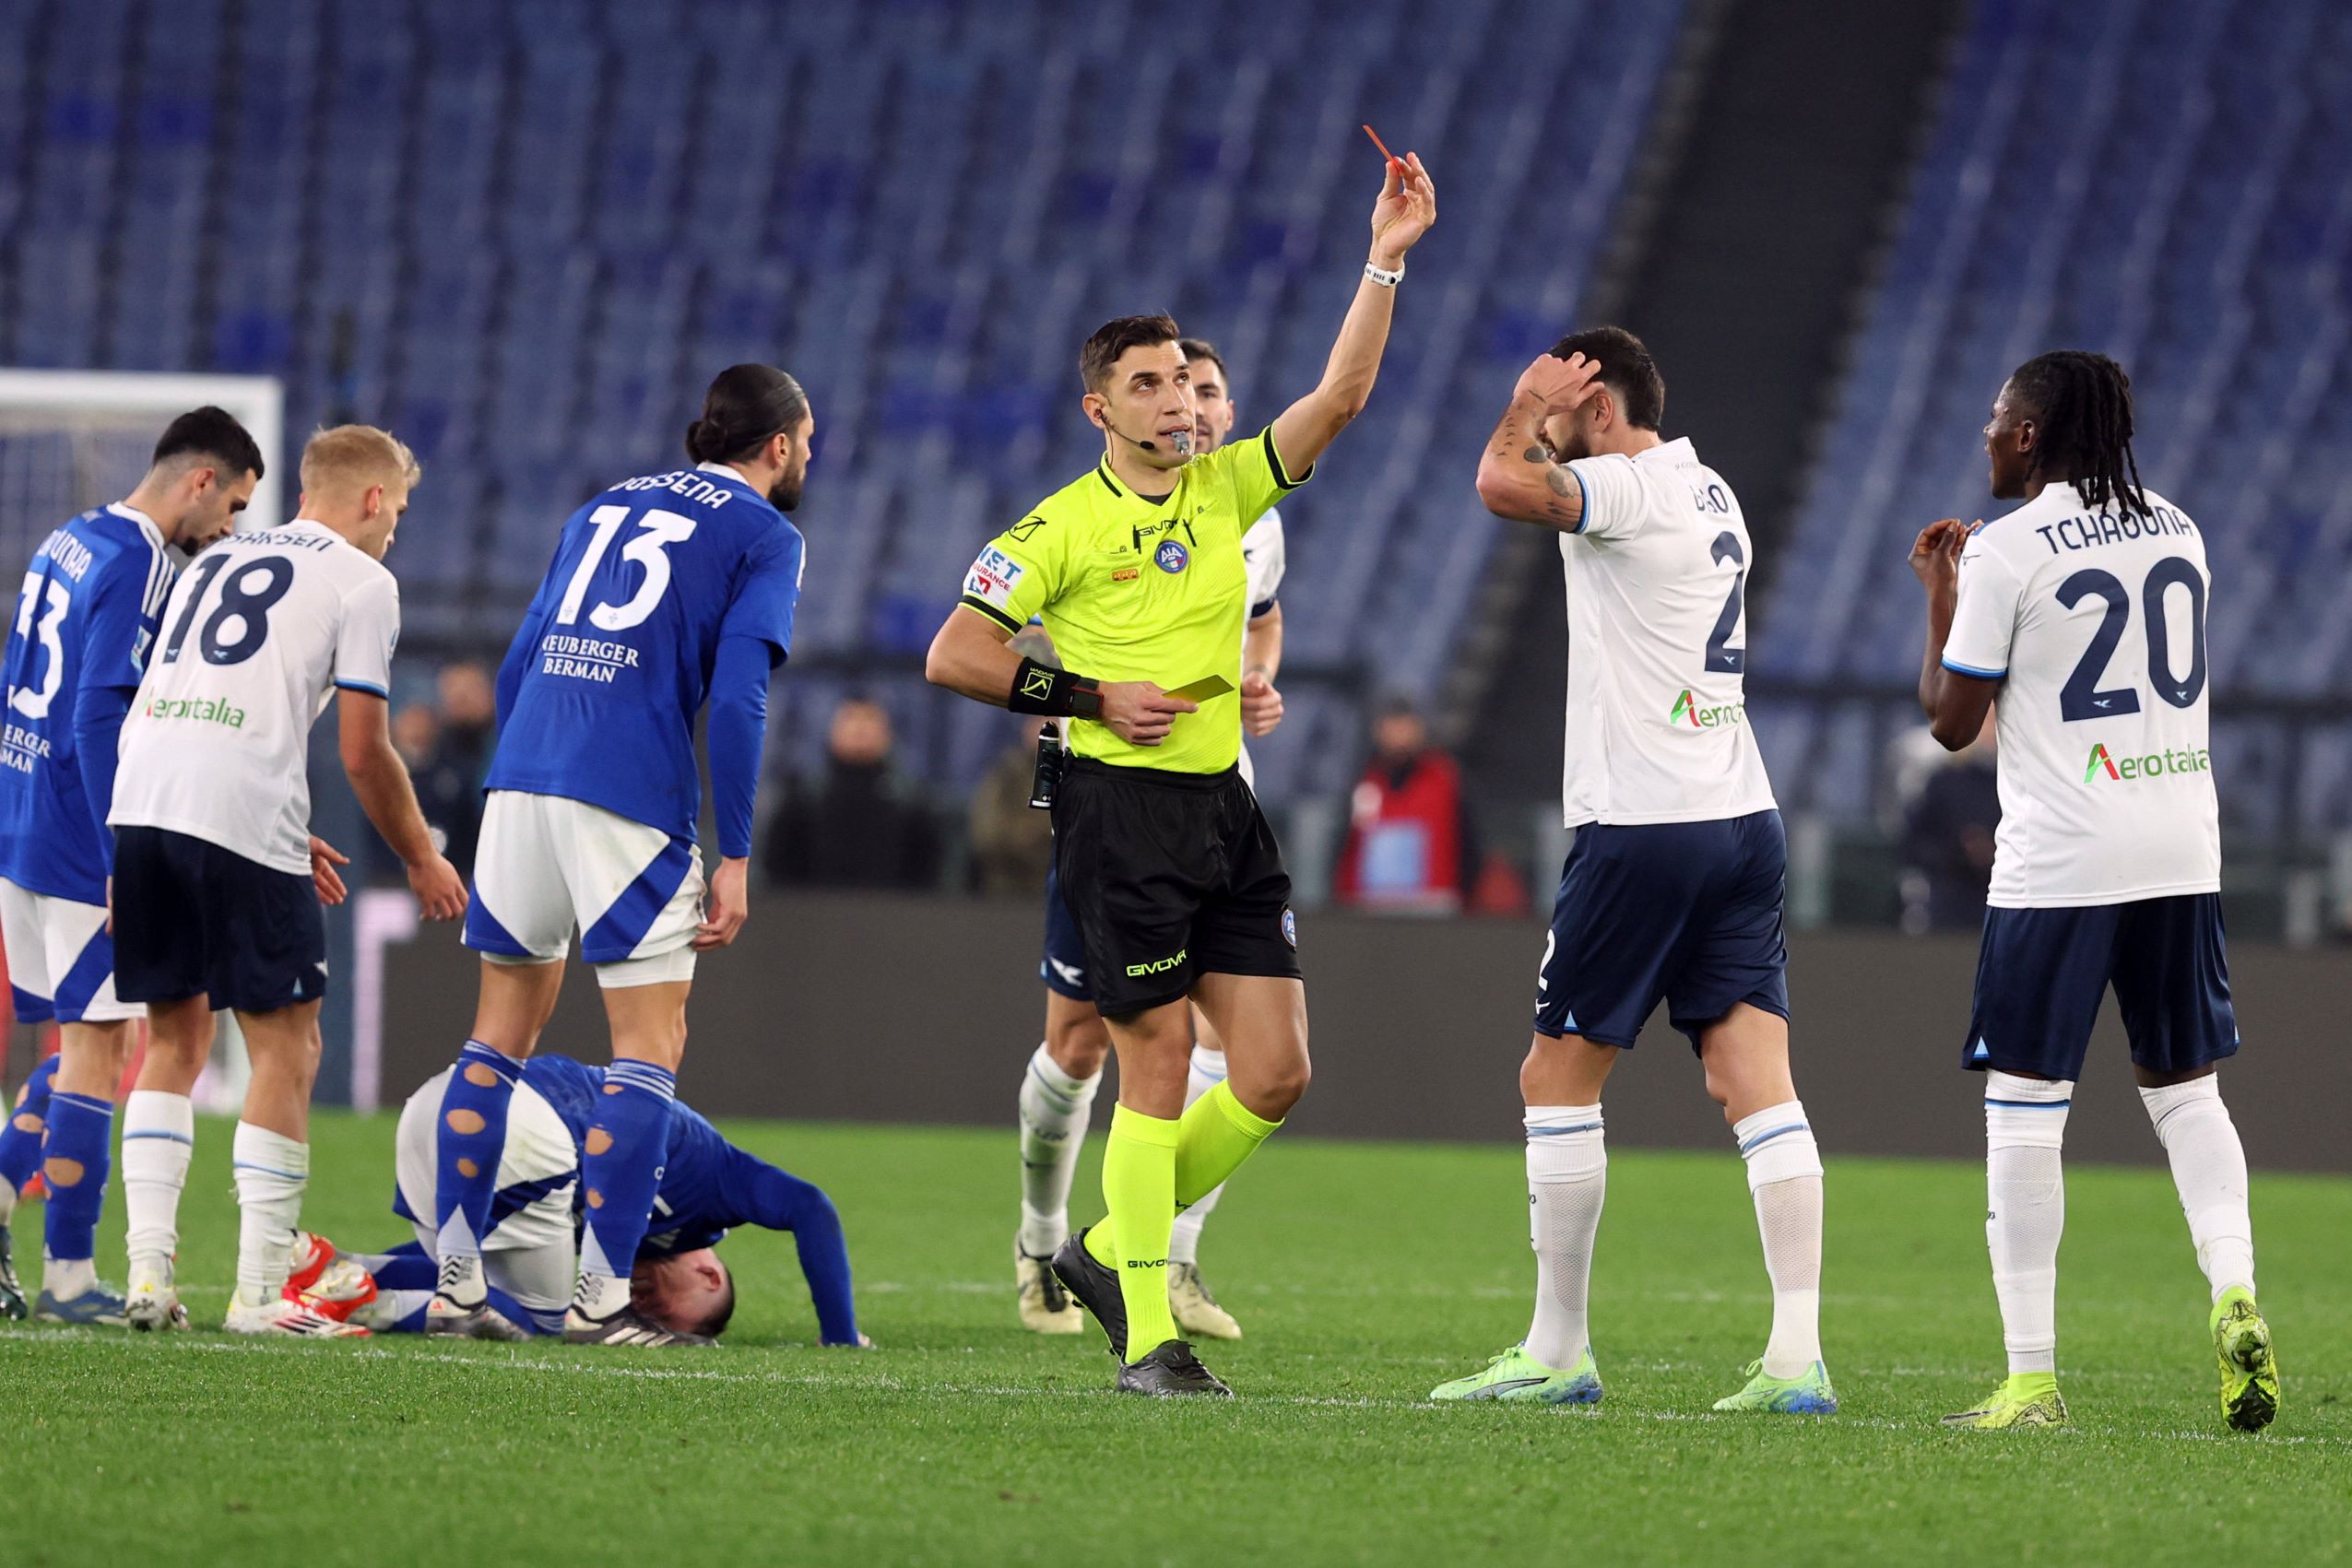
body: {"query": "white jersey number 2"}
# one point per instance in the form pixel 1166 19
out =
pixel 649 549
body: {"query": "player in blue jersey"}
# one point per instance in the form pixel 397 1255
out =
pixel 85 621
pixel 708 1188
pixel 666 590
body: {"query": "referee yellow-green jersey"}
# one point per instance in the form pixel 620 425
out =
pixel 1135 589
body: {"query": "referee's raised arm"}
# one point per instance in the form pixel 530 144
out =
pixel 1407 207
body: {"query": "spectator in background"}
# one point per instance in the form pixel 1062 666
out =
pixel 1410 849
pixel 469 719
pixel 1011 844
pixel 858 823
pixel 447 791
pixel 1948 829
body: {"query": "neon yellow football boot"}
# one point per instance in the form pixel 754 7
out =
pixel 1515 1375
pixel 2025 1399
pixel 2249 1370
pixel 1807 1393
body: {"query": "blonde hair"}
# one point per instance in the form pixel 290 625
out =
pixel 356 455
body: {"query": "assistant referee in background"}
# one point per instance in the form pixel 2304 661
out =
pixel 1169 868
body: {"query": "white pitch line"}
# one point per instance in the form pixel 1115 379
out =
pixel 511 1362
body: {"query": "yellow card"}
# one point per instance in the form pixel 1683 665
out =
pixel 1200 690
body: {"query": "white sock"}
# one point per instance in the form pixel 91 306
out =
pixel 2209 1169
pixel 600 1295
pixel 1784 1179
pixel 1207 1070
pixel 1055 1108
pixel 2025 1189
pixel 7 1200
pixel 67 1278
pixel 159 1139
pixel 1567 1177
pixel 272 1170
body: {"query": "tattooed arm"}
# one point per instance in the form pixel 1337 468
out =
pixel 1518 477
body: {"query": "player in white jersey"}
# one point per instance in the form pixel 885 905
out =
pixel 2084 610
pixel 1673 885
pixel 217 881
pixel 1058 1087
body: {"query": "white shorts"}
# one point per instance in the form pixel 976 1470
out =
pixel 548 867
pixel 61 960
pixel 538 1168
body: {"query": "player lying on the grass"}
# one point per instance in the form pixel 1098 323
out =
pixel 2084 610
pixel 1673 884
pixel 1169 867
pixel 217 881
pixel 1057 1089
pixel 708 1187
pixel 92 600
pixel 667 591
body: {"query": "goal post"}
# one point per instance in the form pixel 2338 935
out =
pixel 72 440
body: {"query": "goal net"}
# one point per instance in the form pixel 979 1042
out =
pixel 72 440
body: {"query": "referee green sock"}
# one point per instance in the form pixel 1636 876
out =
pixel 1138 1183
pixel 1216 1134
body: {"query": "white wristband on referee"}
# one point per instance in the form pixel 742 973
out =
pixel 1384 278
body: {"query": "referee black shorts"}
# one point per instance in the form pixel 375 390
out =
pixel 1169 876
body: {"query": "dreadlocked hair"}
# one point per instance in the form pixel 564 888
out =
pixel 2084 405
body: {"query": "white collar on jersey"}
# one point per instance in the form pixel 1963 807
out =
pixel 723 471
pixel 147 526
pixel 1675 449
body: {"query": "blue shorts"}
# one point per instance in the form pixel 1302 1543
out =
pixel 1683 913
pixel 192 919
pixel 2041 973
pixel 1063 969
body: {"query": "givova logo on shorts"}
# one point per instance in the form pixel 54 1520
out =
pixel 2155 764
pixel 1156 966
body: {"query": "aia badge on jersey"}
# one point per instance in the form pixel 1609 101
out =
pixel 1171 557
pixel 1290 927
pixel 993 578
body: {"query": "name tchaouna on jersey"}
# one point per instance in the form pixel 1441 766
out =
pixel 199 710
pixel 1689 710
pixel 2155 764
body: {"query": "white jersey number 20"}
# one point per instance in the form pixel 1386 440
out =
pixel 649 549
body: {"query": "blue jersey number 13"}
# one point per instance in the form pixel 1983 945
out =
pixel 649 549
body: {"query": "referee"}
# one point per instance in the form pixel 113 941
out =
pixel 1169 869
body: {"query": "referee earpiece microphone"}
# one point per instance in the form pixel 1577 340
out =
pixel 1146 445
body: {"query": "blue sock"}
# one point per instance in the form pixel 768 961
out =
pixel 471 1135
pixel 621 1164
pixel 76 1158
pixel 21 1134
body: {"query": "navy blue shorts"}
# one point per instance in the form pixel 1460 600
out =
pixel 1063 969
pixel 2042 972
pixel 192 919
pixel 1683 913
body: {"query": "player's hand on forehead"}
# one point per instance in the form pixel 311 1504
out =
pixel 1561 386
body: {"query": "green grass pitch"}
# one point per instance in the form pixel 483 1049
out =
pixel 1364 1274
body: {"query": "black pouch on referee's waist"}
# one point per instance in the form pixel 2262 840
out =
pixel 1046 783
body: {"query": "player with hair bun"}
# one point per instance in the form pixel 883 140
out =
pixel 667 591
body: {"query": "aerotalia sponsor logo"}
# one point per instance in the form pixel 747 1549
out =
pixel 2105 765
pixel 1689 710
pixel 203 709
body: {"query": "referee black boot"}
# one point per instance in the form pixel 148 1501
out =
pixel 1171 1371
pixel 1095 1287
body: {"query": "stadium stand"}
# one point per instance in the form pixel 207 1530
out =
pixel 385 208
pixel 2107 176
